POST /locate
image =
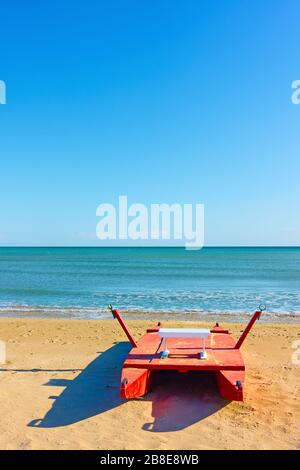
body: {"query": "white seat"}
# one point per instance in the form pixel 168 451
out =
pixel 184 332
pixel 165 333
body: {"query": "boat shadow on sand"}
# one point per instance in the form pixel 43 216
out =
pixel 178 400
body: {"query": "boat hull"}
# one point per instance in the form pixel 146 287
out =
pixel 222 358
pixel 135 382
pixel 231 384
pixel 218 352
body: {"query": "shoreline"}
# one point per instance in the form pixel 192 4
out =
pixel 139 315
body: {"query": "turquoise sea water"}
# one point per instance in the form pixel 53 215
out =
pixel 81 282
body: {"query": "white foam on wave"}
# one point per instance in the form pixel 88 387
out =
pixel 13 310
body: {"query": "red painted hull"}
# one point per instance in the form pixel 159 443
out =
pixel 135 382
pixel 227 382
pixel 222 358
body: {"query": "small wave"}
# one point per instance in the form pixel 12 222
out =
pixel 133 311
pixel 52 311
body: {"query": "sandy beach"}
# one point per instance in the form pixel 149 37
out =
pixel 59 389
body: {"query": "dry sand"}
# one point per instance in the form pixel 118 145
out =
pixel 59 389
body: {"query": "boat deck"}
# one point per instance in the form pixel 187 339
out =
pixel 184 354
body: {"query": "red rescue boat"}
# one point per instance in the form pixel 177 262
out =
pixel 185 349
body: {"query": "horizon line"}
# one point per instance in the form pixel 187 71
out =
pixel 146 246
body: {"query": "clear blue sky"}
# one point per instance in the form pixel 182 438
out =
pixel 165 101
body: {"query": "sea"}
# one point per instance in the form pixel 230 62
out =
pixel 144 282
